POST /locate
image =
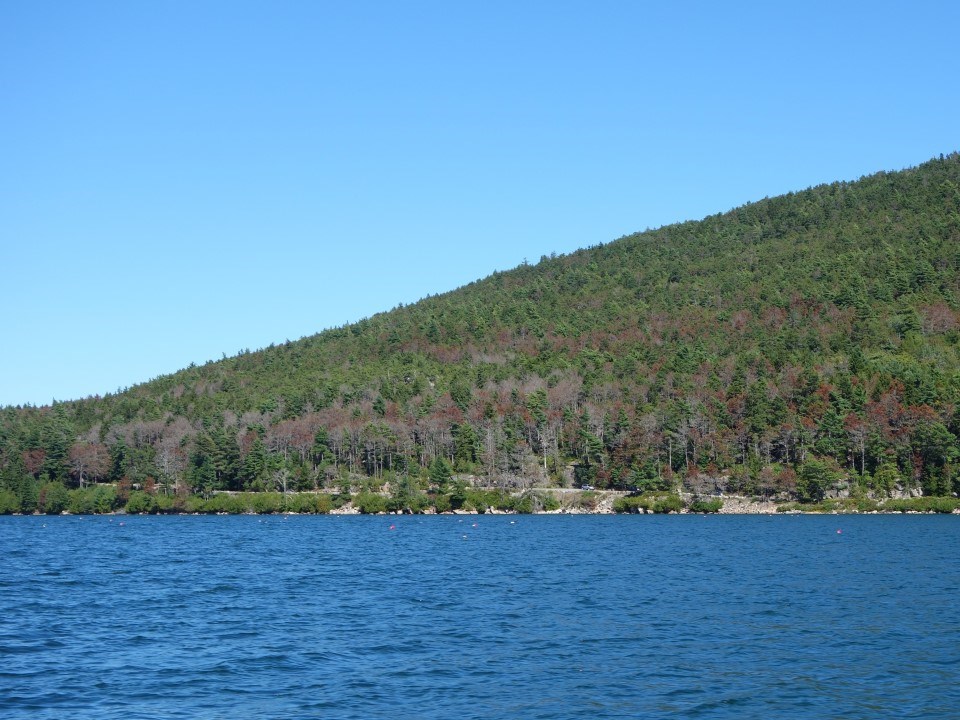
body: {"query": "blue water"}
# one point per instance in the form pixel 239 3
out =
pixel 480 617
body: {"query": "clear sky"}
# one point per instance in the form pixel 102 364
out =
pixel 182 179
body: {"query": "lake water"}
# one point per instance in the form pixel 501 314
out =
pixel 452 617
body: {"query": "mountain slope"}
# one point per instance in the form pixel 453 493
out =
pixel 785 346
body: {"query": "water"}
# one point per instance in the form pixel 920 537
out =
pixel 479 617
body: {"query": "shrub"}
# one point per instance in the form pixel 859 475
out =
pixel 789 507
pixel 523 504
pixel 104 499
pixel 230 504
pixel 476 500
pixel 313 503
pixel 826 507
pixel 81 502
pixel 923 504
pixel 141 503
pixel 194 504
pixel 88 501
pixel 441 503
pixel 633 504
pixel 503 501
pixel 415 502
pixel 842 505
pixel 369 503
pixel 649 502
pixel 483 500
pixel 264 503
pixel 549 502
pixel 944 504
pixel 165 503
pixel 706 505
pixel 323 503
pixel 587 500
pixel 9 503
pixel 298 503
pixel 54 498
pixel 668 503
pixel 532 502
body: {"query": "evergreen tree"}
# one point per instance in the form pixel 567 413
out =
pixel 57 437
pixel 831 435
pixel 440 474
pixel 815 327
pixel 466 447
pixel 203 465
pixel 255 466
pixel 119 461
pixel 227 459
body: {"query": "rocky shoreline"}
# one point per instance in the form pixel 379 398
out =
pixel 539 501
pixel 732 505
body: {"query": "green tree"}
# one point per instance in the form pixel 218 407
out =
pixel 466 445
pixel 57 437
pixel 227 459
pixel 406 496
pixel 831 435
pixel 141 503
pixel 82 502
pixel 9 502
pixel 53 499
pixel 440 474
pixel 321 452
pixel 203 468
pixel 937 448
pixel 256 469
pixel 27 489
pixel 119 461
pixel 813 481
pixel 104 499
pixel 460 393
pixel 886 477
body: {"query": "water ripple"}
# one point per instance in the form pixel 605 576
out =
pixel 533 617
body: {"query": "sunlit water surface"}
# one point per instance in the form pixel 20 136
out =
pixel 480 617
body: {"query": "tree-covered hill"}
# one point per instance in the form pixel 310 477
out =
pixel 783 347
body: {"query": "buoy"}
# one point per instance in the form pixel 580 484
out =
pixel 393 527
pixel 839 531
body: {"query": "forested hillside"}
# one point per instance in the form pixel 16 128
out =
pixel 782 348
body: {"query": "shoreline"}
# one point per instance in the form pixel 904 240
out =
pixel 732 505
pixel 480 501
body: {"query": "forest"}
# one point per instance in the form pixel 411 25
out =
pixel 796 348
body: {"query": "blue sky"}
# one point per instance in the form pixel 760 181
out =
pixel 180 180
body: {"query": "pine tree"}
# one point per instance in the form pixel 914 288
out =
pixel 440 474
pixel 255 466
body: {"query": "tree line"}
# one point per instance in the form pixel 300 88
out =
pixel 786 348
